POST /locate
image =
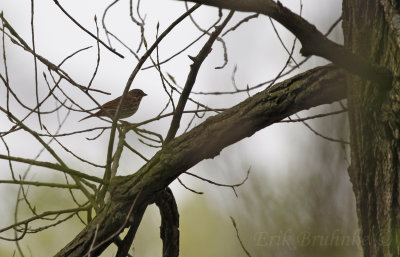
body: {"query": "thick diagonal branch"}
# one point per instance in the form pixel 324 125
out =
pixel 318 86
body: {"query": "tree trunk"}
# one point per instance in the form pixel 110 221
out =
pixel 370 31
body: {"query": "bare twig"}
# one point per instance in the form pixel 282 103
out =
pixel 38 184
pixel 104 18
pixel 107 173
pixel 35 61
pixel 6 80
pixel 219 39
pixel 238 237
pixel 312 40
pixel 45 214
pixel 73 54
pixel 314 116
pixel 73 154
pixel 138 23
pixel 53 166
pixel 320 135
pixel 191 78
pixel 87 31
pixel 244 20
pixel 188 188
pixel 98 56
pixel 136 152
pixel 222 185
pixel 290 53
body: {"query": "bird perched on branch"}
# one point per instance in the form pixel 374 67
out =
pixel 128 107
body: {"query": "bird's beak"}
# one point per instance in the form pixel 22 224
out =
pixel 144 94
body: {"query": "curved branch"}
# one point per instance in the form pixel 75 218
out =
pixel 318 86
pixel 313 41
pixel 169 230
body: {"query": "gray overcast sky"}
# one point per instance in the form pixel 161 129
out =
pixel 254 48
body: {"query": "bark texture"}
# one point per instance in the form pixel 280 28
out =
pixel 372 36
pixel 169 229
pixel 131 194
pixel 374 115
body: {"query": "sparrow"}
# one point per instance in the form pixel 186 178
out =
pixel 128 107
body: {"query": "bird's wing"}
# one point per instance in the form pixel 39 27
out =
pixel 112 103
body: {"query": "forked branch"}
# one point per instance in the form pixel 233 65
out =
pixel 313 41
pixel 322 85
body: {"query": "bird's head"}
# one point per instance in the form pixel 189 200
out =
pixel 136 93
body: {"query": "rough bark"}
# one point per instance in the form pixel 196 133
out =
pixel 374 116
pixel 371 50
pixel 318 86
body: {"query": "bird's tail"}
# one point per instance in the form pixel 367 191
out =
pixel 87 117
